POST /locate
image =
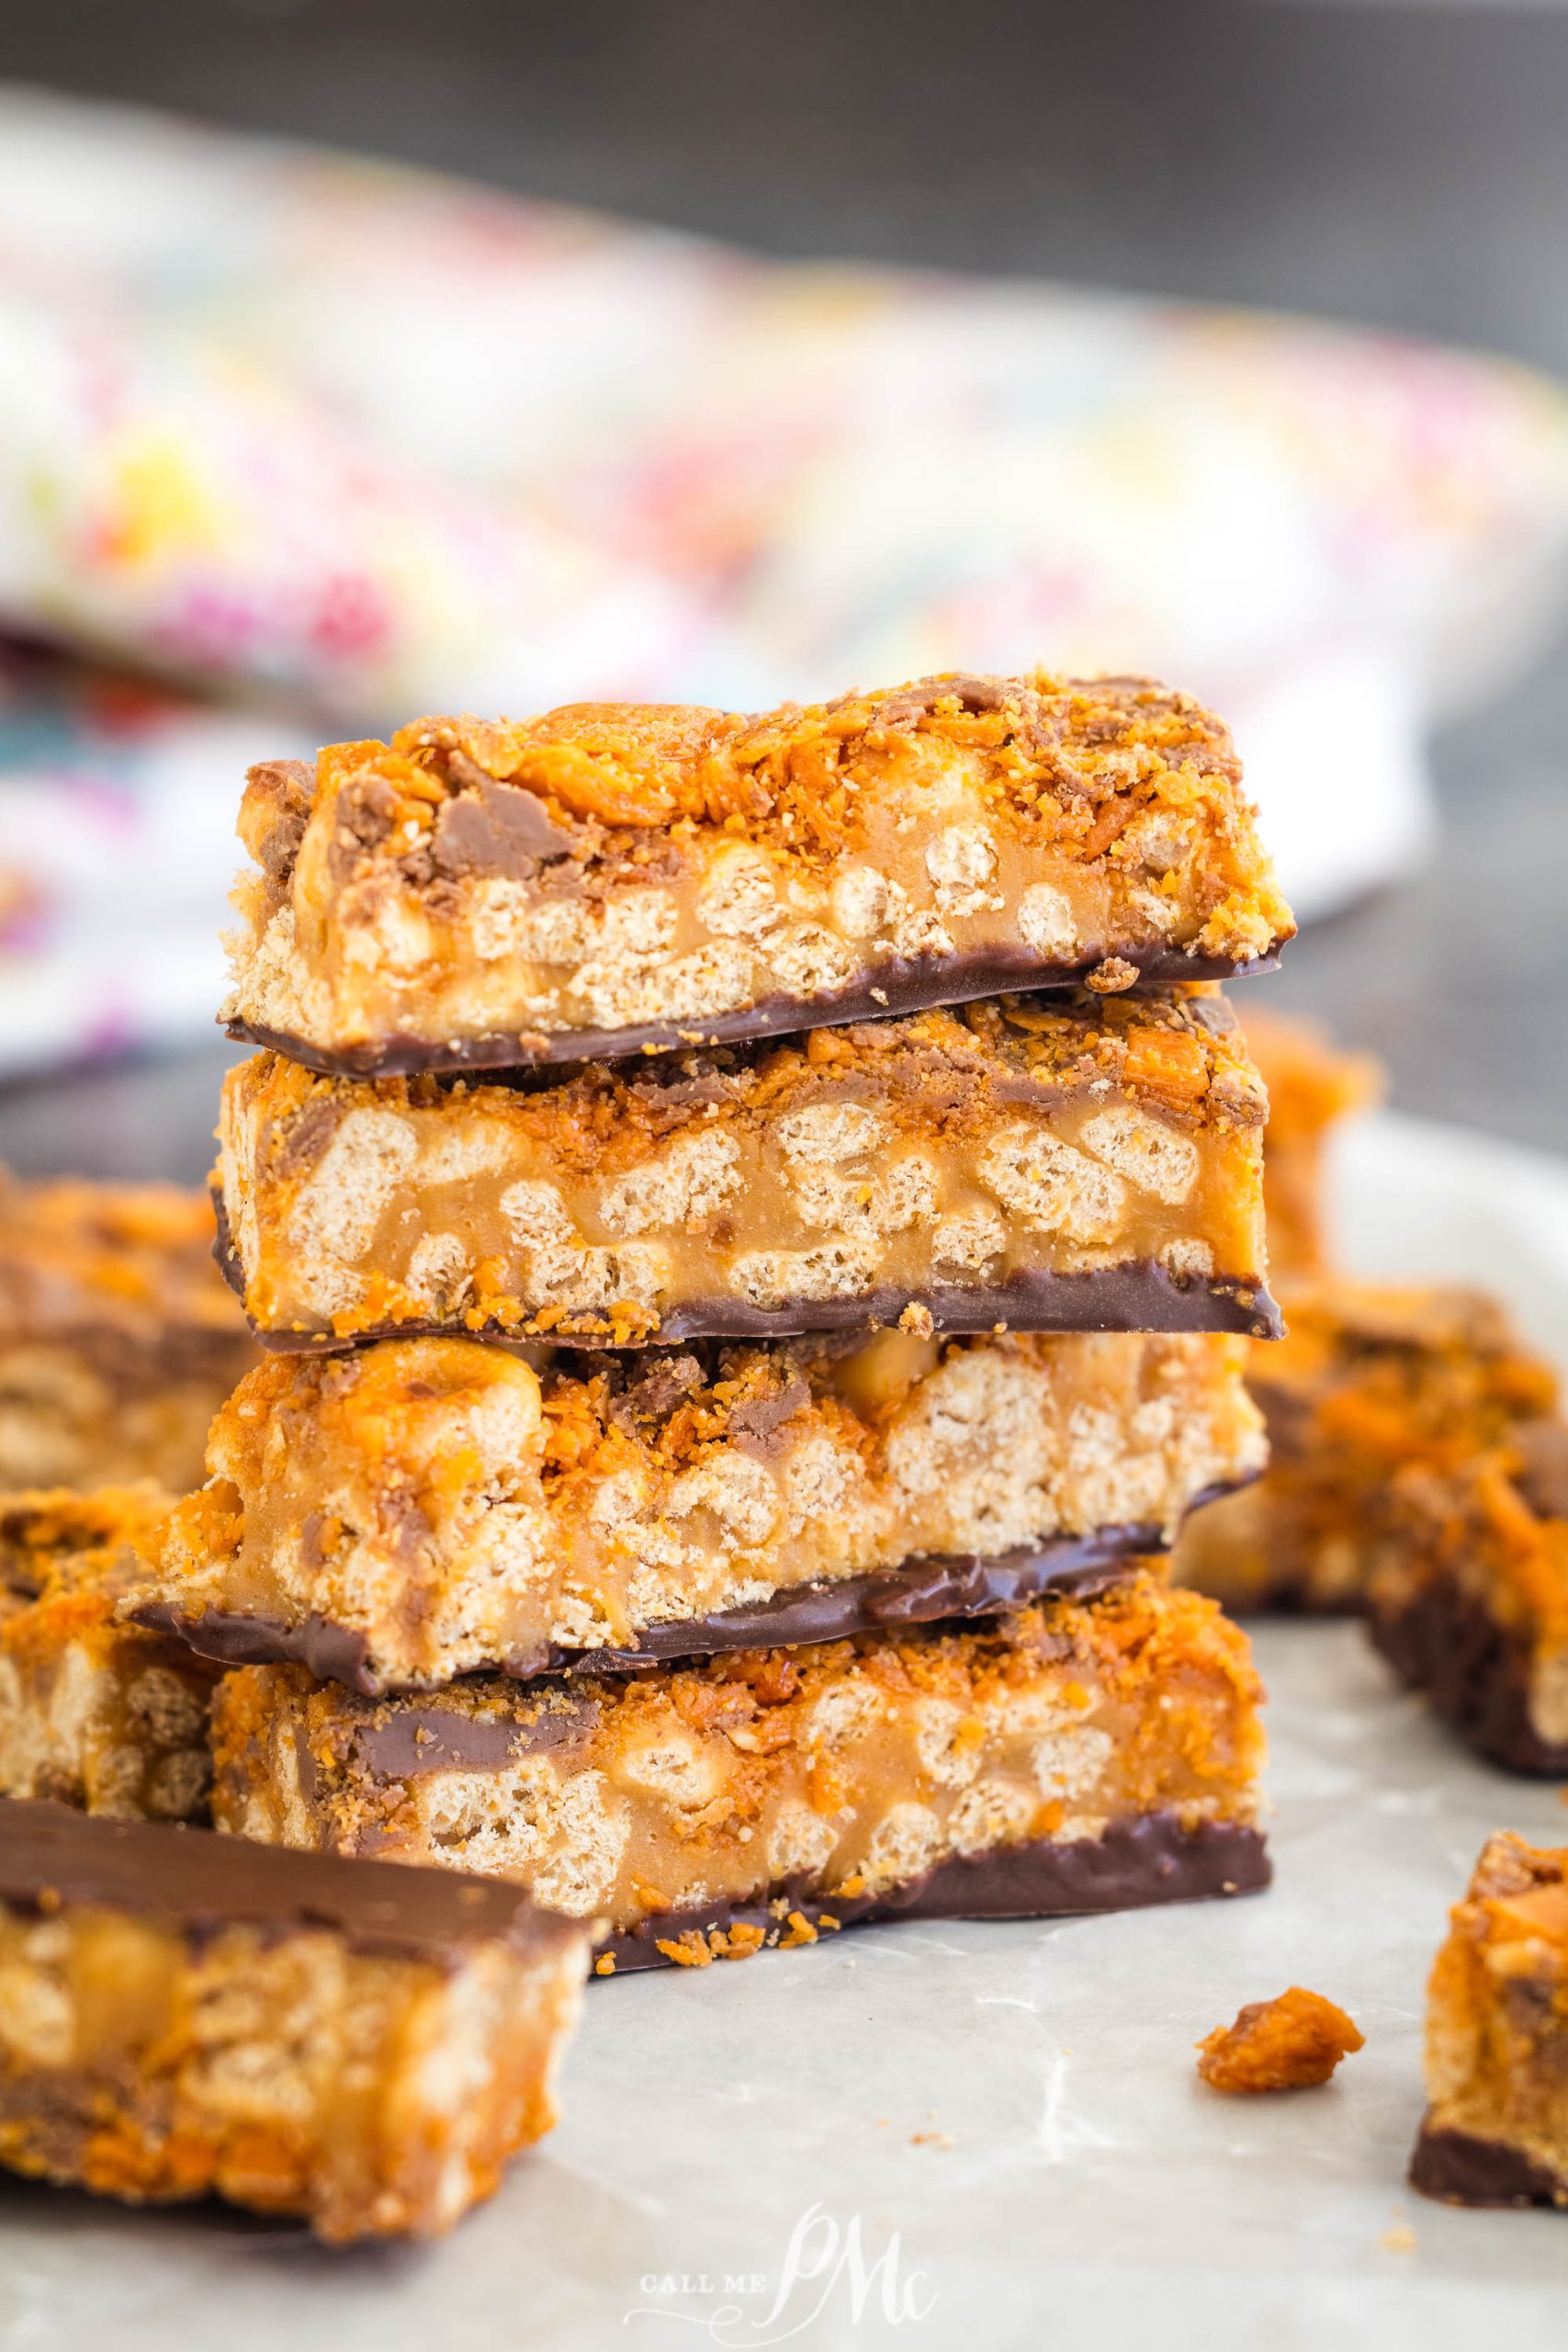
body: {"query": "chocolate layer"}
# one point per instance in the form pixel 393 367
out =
pixel 199 1883
pixel 1138 1296
pixel 1463 2169
pixel 900 985
pixel 1475 1671
pixel 1134 1864
pixel 918 1594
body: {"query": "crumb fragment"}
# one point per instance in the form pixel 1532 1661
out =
pixel 1289 2043
pixel 1401 2239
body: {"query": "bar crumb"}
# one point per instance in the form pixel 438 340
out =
pixel 1289 2043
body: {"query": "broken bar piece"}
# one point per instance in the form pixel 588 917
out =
pixel 611 877
pixel 93 1712
pixel 1372 1380
pixel 427 1508
pixel 1050 1164
pixel 185 2015
pixel 1076 1756
pixel 1496 2130
pixel 118 1340
pixel 1469 1599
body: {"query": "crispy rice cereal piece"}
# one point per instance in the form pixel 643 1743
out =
pixel 93 1712
pixel 1051 1163
pixel 1079 1756
pixel 1290 2043
pixel 1372 1380
pixel 1312 1085
pixel 1468 1595
pixel 424 1508
pixel 118 1340
pixel 181 2015
pixel 1496 2130
pixel 613 875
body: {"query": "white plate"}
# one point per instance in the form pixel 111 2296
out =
pixel 1005 2119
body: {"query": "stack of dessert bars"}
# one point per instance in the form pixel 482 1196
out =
pixel 755 1226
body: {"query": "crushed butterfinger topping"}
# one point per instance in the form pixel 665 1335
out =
pixel 1289 2043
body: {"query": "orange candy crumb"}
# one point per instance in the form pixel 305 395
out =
pixel 1286 2045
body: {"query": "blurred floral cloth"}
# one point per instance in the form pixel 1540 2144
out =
pixel 295 446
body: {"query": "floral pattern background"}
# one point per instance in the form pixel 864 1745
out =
pixel 293 444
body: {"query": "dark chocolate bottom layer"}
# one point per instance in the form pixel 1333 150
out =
pixel 1135 1863
pixel 1138 1296
pixel 1462 2169
pixel 1072 1566
pixel 1447 1643
pixel 899 986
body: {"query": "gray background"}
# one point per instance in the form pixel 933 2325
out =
pixel 1406 166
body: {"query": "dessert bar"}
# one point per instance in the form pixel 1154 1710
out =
pixel 1076 1756
pixel 426 1508
pixel 1053 1163
pixel 1469 1598
pixel 610 876
pixel 1371 1379
pixel 93 1712
pixel 185 2015
pixel 117 1341
pixel 1496 2131
pixel 1312 1085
